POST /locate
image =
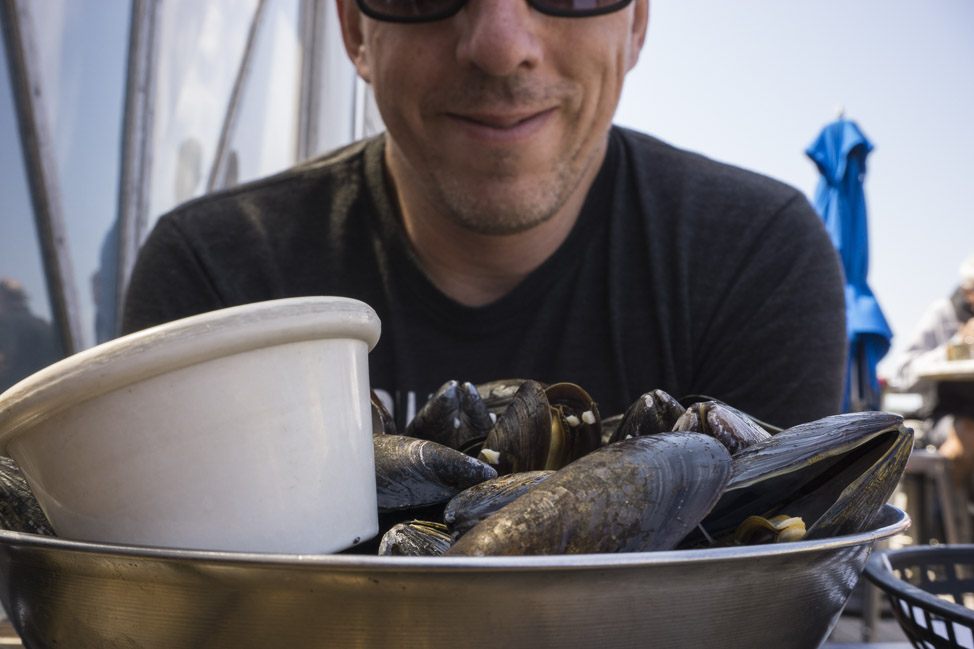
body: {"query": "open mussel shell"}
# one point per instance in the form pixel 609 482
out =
pixel 473 505
pixel 415 539
pixel 855 509
pixel 639 494
pixel 412 473
pixel 729 426
pixel 653 412
pixel 455 416
pixel 835 473
pixel 576 424
pixel 543 428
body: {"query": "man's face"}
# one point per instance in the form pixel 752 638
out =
pixel 498 114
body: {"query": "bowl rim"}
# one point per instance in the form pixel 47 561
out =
pixel 170 346
pixel 889 522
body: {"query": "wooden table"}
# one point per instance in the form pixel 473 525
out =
pixel 953 380
pixel 929 492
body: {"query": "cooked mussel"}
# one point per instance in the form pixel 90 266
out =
pixel 454 416
pixel 415 539
pixel 639 494
pixel 473 505
pixel 412 473
pixel 729 426
pixel 653 412
pixel 834 473
pixel 576 424
pixel 19 509
pixel 519 440
pixel 691 399
pixel 543 428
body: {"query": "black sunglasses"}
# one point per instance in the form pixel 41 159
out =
pixel 418 11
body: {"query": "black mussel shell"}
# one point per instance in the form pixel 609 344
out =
pixel 835 473
pixel 636 495
pixel 729 426
pixel 415 539
pixel 19 510
pixel 412 473
pixel 473 505
pixel 455 416
pixel 653 412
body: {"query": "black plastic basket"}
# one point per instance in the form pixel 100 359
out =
pixel 931 590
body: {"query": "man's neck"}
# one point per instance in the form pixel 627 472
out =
pixel 476 269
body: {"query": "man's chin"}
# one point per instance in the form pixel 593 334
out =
pixel 500 214
pixel 501 202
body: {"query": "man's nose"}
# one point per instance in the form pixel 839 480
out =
pixel 499 36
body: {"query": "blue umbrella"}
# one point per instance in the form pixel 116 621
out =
pixel 840 153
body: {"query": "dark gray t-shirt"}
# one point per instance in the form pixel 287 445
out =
pixel 681 273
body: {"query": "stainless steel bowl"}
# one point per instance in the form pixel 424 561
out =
pixel 67 594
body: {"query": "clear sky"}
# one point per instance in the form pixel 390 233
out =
pixel 753 82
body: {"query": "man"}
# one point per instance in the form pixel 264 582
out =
pixel 502 228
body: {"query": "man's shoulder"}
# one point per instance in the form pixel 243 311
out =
pixel 346 159
pixel 288 193
pixel 670 171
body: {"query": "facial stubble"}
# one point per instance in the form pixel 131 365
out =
pixel 495 205
pixel 500 195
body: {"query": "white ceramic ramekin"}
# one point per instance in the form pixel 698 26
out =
pixel 245 429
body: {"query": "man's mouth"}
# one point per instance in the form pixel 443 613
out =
pixel 502 126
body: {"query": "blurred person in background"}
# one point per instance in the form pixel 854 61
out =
pixel 947 322
pixel 502 226
pixel 946 331
pixel 27 343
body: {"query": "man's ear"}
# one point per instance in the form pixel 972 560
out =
pixel 640 25
pixel 351 19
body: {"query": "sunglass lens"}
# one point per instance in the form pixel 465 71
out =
pixel 409 10
pixel 578 7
